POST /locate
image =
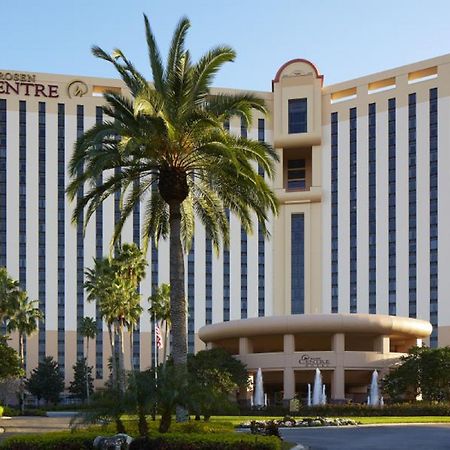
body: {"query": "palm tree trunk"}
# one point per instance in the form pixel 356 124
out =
pixel 177 298
pixel 166 335
pixel 121 374
pixel 87 372
pixel 177 295
pixel 131 349
pixel 113 357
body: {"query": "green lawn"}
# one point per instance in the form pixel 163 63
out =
pixel 236 420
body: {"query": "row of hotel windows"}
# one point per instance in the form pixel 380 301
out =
pixel 412 205
pixel 61 147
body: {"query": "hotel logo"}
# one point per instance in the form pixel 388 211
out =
pixel 77 88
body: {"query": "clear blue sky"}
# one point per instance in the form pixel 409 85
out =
pixel 344 38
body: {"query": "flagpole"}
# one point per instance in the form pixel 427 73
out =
pixel 155 344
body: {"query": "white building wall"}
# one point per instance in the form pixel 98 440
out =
pixel 423 206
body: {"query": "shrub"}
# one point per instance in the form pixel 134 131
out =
pixel 51 441
pixel 1 411
pixel 403 409
pixel 218 441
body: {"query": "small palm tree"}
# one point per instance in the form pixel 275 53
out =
pixel 160 311
pixel 88 329
pixel 113 283
pixel 24 320
pixel 98 282
pixel 9 295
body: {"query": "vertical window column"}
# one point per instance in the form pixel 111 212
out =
pixel 42 226
pixel 412 194
pixel 99 255
pixel 392 209
pixel 80 246
pixel 3 138
pixel 61 234
pixel 208 280
pixel 261 239
pixel 226 278
pixel 23 194
pixel 22 201
pixel 434 216
pixel 353 213
pixel 244 299
pixel 191 298
pixel 372 211
pixel 334 215
pixel 226 262
pixel 137 240
pixel 297 264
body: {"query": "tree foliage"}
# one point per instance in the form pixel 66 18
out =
pixel 9 294
pixel 424 371
pixel 82 385
pixel 46 381
pixel 10 363
pixel 24 319
pixel 214 376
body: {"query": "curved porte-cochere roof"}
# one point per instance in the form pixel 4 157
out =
pixel 317 323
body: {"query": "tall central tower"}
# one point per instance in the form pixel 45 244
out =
pixel 298 184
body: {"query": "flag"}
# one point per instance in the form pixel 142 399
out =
pixel 159 340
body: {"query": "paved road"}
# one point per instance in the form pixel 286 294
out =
pixel 391 437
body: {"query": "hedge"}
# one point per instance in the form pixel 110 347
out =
pixel 216 441
pixel 51 441
pixel 403 409
pixel 170 441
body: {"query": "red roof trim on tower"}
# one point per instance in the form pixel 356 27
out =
pixel 280 70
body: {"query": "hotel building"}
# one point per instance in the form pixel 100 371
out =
pixel 363 226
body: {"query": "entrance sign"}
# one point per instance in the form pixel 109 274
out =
pixel 313 362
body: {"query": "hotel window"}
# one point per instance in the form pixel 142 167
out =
pixel 297 264
pixel 334 214
pixel 191 297
pixel 372 211
pixel 353 211
pixel 412 204
pixel 296 174
pixel 297 115
pixel 392 209
pixel 434 216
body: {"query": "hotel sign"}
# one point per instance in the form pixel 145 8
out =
pixel 25 84
pixel 316 362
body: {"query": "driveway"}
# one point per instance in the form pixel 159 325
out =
pixel 18 425
pixel 380 437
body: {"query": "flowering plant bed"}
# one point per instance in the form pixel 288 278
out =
pixel 270 427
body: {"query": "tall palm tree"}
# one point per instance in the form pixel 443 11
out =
pixel 9 295
pixel 88 329
pixel 24 319
pixel 173 152
pixel 160 311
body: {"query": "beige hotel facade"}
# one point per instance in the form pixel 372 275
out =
pixel 359 252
